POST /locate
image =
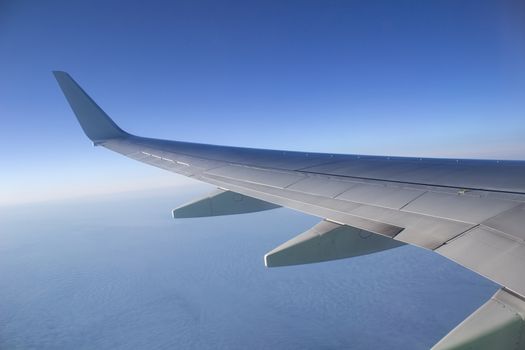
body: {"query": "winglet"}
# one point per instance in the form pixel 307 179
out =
pixel 97 125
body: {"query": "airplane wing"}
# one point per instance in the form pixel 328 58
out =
pixel 470 211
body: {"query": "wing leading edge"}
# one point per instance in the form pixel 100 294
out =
pixel 471 211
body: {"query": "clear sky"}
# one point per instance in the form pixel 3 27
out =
pixel 426 78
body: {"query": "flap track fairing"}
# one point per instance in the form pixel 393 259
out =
pixel 222 202
pixel 328 241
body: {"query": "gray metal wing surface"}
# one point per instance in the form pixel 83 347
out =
pixel 470 211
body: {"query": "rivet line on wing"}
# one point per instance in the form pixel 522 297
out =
pixel 166 159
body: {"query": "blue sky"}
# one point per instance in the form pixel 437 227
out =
pixel 429 78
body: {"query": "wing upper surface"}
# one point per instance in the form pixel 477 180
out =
pixel 439 217
pixel 446 205
pixel 471 211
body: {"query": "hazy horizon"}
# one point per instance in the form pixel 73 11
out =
pixel 117 272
